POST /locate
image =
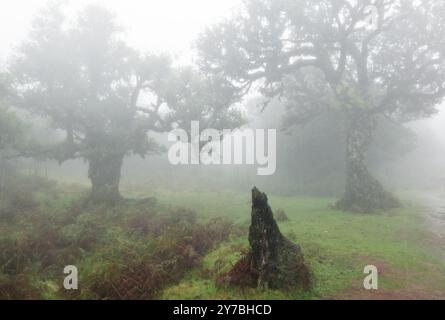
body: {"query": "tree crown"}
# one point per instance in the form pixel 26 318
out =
pixel 323 54
pixel 105 95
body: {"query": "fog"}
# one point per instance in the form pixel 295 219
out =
pixel 160 26
pixel 172 27
pixel 197 141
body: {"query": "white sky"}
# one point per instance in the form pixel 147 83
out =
pixel 152 25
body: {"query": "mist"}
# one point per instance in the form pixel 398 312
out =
pixel 210 149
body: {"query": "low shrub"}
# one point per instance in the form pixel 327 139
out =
pixel 130 251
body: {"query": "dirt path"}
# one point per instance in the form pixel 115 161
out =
pixel 434 212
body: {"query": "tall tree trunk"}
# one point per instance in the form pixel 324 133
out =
pixel 363 193
pixel 105 173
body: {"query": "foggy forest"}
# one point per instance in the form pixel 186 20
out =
pixel 210 149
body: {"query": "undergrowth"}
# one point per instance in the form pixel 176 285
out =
pixel 130 251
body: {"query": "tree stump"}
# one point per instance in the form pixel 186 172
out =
pixel 273 261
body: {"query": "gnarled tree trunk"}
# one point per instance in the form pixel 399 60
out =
pixel 273 261
pixel 105 173
pixel 363 192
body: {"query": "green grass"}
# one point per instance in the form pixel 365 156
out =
pixel 337 246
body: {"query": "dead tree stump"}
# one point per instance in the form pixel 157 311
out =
pixel 273 261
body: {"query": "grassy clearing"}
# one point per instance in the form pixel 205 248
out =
pixel 337 246
pixel 163 250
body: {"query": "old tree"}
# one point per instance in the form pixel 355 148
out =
pixel 105 97
pixel 365 59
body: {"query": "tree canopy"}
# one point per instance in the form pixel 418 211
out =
pixel 106 96
pixel 323 55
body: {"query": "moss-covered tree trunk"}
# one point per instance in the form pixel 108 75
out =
pixel 363 193
pixel 105 174
pixel 278 262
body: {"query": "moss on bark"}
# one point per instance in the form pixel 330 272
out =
pixel 363 193
pixel 105 174
pixel 273 261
